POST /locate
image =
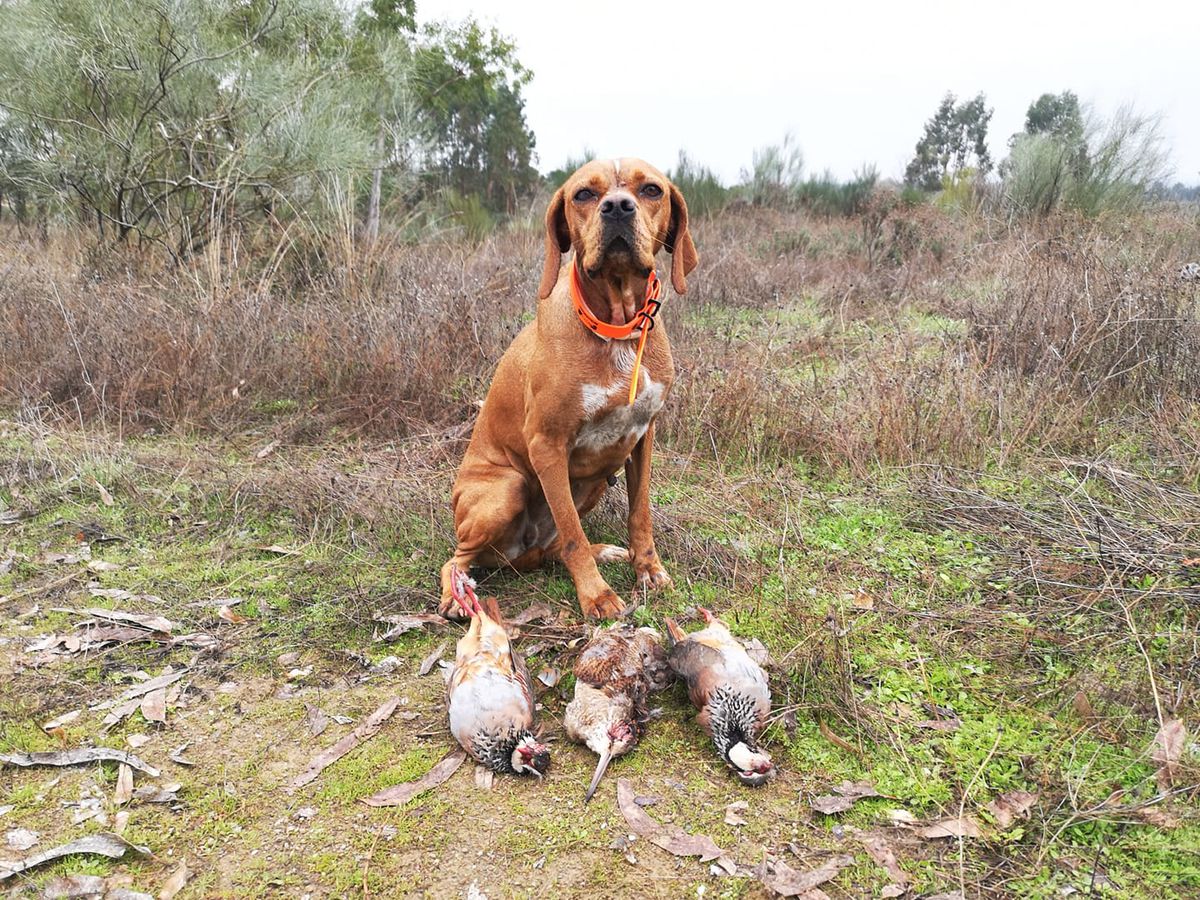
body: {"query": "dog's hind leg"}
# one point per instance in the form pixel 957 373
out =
pixel 487 502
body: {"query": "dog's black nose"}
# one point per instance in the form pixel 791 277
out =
pixel 617 207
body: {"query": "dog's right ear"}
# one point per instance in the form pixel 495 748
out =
pixel 558 242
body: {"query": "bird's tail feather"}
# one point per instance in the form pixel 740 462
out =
pixel 674 632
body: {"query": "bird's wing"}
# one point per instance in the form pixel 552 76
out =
pixel 700 665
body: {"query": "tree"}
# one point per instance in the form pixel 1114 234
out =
pixel 954 139
pixel 468 88
pixel 1056 114
pixel 382 27
pixel 170 120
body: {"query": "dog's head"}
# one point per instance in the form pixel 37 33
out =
pixel 617 213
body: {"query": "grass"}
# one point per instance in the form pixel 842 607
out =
pixel 890 456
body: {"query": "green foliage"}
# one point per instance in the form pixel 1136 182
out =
pixel 955 138
pixel 777 180
pixel 467 212
pixel 828 197
pixel 173 120
pixel 703 190
pixel 776 171
pixel 1107 166
pixel 1058 115
pixel 558 176
pixel 469 89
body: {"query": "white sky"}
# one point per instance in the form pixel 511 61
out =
pixel 853 80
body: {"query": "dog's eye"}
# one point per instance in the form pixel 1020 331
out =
pixel 584 195
pixel 652 190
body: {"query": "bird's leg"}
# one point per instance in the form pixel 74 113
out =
pixel 463 590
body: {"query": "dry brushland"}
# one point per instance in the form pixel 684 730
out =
pixel 945 469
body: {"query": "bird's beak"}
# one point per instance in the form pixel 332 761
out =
pixel 605 759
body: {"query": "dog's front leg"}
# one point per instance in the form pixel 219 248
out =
pixel 549 459
pixel 647 565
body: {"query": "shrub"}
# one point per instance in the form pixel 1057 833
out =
pixel 701 187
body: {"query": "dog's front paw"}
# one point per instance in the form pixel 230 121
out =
pixel 650 572
pixel 605 605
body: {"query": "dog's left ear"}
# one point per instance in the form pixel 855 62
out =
pixel 558 242
pixel 679 243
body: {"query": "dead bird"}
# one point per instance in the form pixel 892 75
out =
pixel 489 696
pixel 730 690
pixel 614 676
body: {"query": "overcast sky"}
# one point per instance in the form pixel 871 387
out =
pixel 853 80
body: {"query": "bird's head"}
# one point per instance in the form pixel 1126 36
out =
pixel 618 738
pixel 530 756
pixel 752 766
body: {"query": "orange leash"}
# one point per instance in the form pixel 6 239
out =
pixel 643 318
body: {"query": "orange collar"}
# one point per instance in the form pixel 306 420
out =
pixel 617 332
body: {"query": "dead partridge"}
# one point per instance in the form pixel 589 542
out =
pixel 614 676
pixel 489 696
pixel 730 690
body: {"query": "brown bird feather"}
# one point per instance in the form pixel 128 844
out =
pixel 729 689
pixel 614 676
pixel 489 698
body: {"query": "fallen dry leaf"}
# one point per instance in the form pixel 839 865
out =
pixel 174 884
pixel 732 812
pixel 365 731
pixel 278 550
pixel 1157 815
pixel 1010 806
pixel 837 740
pixel 844 796
pixel 781 878
pixel 150 793
pixel 124 790
pixel 317 720
pixel 962 826
pixel 400 794
pixel 121 821
pixel 102 844
pixel 402 624
pixel 939 724
pixel 1168 751
pixel 176 756
pixel 153 623
pixel 77 757
pixel 140 690
pixel 62 720
pixel 105 496
pixel 671 838
pixel 137 741
pixel 484 778
pixel 890 891
pixel 549 676
pixel 757 651
pixel 154 706
pixel 877 848
pixel 431 660
pixel 532 614
pixel 267 450
pixel 100 565
pixel 226 613
pixel 21 839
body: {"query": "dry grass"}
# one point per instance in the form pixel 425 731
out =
pixel 904 336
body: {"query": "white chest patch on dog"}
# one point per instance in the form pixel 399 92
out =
pixel 606 426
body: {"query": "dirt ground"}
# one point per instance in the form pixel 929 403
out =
pixel 907 652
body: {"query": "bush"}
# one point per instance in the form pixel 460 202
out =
pixel 1114 171
pixel 701 187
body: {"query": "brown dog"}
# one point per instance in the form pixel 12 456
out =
pixel 557 422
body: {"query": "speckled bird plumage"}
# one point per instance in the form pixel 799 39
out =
pixel 616 672
pixel 729 689
pixel 490 699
